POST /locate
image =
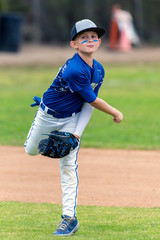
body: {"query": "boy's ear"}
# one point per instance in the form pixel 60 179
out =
pixel 99 40
pixel 73 44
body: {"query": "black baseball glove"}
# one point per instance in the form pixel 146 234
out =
pixel 58 145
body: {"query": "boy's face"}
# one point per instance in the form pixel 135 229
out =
pixel 86 42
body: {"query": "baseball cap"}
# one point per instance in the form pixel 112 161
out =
pixel 85 25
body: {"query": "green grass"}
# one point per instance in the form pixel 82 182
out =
pixel 133 89
pixel 38 221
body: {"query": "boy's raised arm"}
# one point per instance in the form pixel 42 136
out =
pixel 101 105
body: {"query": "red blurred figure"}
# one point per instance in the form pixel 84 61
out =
pixel 122 33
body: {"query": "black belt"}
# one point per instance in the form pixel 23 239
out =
pixel 56 114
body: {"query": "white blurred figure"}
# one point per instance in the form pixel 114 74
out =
pixel 127 33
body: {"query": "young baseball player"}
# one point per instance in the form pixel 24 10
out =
pixel 67 106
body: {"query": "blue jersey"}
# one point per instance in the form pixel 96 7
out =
pixel 75 84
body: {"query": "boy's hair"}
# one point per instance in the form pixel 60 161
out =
pixel 85 25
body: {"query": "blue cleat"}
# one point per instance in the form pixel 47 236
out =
pixel 67 226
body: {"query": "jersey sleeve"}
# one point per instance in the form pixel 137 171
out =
pixel 78 82
pixel 88 94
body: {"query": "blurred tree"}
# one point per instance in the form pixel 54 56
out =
pixel 138 13
pixel 51 20
pixel 89 9
pixel 4 5
pixel 36 6
pixel 12 6
pixel 151 18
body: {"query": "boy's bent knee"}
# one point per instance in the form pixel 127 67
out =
pixel 31 151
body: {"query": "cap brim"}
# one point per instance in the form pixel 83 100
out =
pixel 99 31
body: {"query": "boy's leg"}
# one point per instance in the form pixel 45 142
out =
pixel 69 174
pixel 69 182
pixel 42 124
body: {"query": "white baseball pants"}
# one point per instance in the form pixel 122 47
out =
pixel 44 124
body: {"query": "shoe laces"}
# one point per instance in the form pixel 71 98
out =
pixel 63 224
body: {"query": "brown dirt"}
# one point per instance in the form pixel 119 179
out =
pixel 107 177
pixel 57 55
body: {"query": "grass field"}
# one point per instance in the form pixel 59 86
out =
pixel 38 221
pixel 135 90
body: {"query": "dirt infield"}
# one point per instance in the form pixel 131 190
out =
pixel 107 177
pixel 41 55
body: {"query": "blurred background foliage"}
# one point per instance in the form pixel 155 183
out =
pixel 50 21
